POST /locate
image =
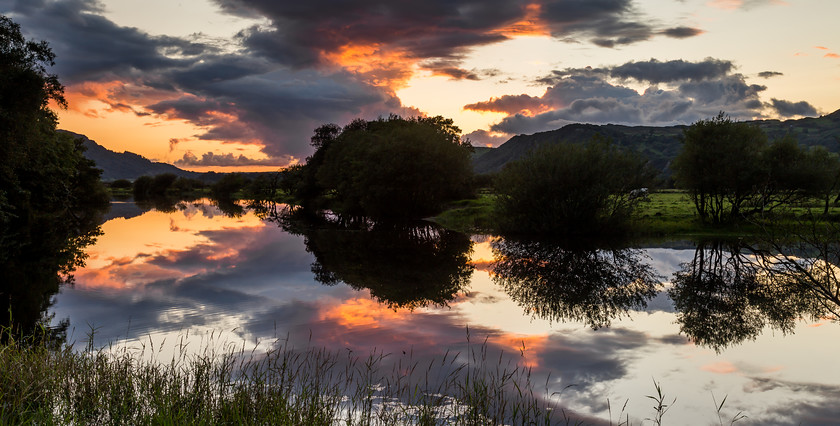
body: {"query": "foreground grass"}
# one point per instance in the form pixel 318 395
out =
pixel 42 384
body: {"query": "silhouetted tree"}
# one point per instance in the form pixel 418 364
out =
pixel 564 189
pixel 43 174
pixel 228 185
pixel 391 168
pixel 732 172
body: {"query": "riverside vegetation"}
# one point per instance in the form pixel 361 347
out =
pixel 391 170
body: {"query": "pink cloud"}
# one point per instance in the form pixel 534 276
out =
pixel 722 367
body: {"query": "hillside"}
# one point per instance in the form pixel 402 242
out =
pixel 658 144
pixel 126 165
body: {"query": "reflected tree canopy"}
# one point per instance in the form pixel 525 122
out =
pixel 403 266
pixel 728 294
pixel 574 284
pixel 35 261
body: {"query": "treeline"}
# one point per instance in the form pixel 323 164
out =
pixel 732 171
pixel 396 168
pixel 231 186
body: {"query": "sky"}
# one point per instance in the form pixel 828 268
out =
pixel 233 85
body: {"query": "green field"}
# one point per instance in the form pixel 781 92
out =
pixel 666 213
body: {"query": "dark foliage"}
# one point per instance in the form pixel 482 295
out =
pixel 391 168
pixel 404 266
pixel 570 189
pixel 728 294
pixel 732 172
pixel 561 283
pixel 51 197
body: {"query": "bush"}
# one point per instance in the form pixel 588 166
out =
pixel 570 189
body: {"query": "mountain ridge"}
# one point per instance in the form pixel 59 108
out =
pixel 125 165
pixel 659 144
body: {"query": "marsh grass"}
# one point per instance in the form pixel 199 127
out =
pixel 43 383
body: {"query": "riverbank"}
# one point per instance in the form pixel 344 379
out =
pixel 664 214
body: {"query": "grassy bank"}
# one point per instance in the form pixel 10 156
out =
pixel 667 213
pixel 41 384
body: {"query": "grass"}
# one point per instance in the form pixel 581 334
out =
pixel 666 213
pixel 44 384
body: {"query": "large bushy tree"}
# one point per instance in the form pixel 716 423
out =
pixel 565 189
pixel 392 168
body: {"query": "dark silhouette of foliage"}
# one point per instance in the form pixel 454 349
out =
pixel 732 172
pixel 403 266
pixel 390 168
pixel 566 189
pixel 728 294
pixel 121 184
pixel 43 174
pixel 561 283
pixel 228 185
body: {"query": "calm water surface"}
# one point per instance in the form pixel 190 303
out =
pixel 199 277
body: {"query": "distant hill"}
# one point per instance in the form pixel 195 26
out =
pixel 126 165
pixel 659 144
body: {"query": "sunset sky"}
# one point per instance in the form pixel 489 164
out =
pixel 240 84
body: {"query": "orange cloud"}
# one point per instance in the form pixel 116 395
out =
pixel 832 55
pixel 379 65
pixel 529 25
pixel 361 312
pixel 821 47
pixel 528 346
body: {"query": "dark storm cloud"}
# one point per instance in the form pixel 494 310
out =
pixel 652 71
pixel 790 109
pixel 234 97
pixel 607 23
pixel 510 104
pixel 691 91
pixel 422 29
pixel 90 47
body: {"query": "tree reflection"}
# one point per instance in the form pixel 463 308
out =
pixel 728 294
pixel 404 266
pixel 35 261
pixel 573 284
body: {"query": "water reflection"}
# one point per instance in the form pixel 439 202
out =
pixel 727 294
pixel 559 283
pixel 35 261
pixel 403 266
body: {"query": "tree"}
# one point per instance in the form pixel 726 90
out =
pixel 565 189
pixel 390 168
pixel 43 175
pixel 228 185
pixel 51 196
pixel 721 166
